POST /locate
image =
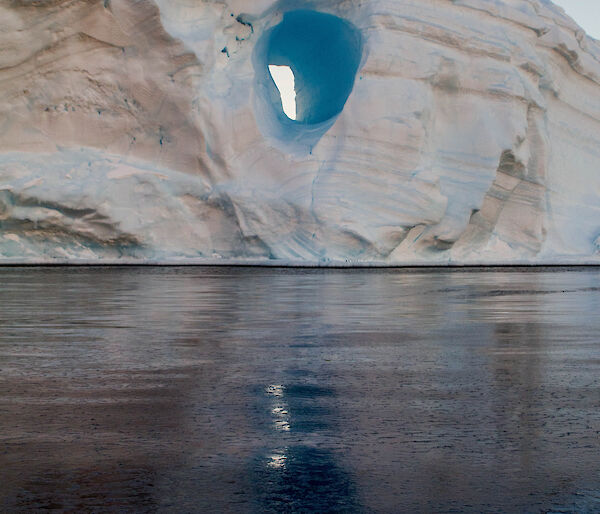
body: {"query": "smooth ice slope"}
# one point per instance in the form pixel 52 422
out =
pixel 428 132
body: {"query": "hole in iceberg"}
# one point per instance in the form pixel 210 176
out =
pixel 305 71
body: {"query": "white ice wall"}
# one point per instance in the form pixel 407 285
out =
pixel 472 135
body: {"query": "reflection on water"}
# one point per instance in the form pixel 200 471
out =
pixel 294 475
pixel 300 478
pixel 253 390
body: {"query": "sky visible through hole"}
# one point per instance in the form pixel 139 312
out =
pixel 283 76
pixel 585 12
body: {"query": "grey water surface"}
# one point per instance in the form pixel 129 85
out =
pixel 286 390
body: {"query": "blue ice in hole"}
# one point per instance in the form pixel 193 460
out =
pixel 324 53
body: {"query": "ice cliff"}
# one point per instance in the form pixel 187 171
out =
pixel 428 132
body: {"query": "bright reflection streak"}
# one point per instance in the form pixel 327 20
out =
pixel 275 390
pixel 282 421
pixel 281 417
pixel 279 411
pixel 277 460
pixel 283 76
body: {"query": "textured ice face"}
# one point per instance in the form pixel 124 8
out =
pixel 427 131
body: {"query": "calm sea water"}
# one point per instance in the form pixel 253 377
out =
pixel 269 390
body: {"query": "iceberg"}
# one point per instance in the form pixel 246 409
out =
pixel 421 133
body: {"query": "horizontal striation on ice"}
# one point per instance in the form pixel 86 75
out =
pixel 150 131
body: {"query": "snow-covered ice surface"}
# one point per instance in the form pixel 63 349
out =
pixel 428 132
